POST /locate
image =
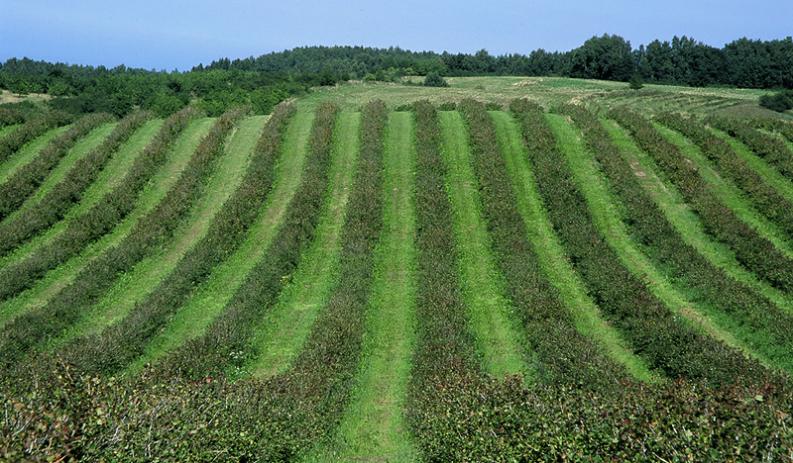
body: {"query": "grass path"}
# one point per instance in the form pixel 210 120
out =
pixel 284 330
pixel 163 180
pixel 373 427
pixel 108 178
pixel 684 220
pixel 769 174
pixel 553 260
pixel 730 195
pixel 491 314
pixel 209 300
pixel 135 285
pixel 29 151
pixel 608 220
pixel 80 149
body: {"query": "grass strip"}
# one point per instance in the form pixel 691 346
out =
pixel 148 234
pixel 100 219
pixel 574 342
pixel 16 189
pixel 51 205
pixel 752 250
pixel 491 314
pixel 284 330
pixel 666 342
pixel 134 286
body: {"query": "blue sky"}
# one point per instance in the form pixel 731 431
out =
pixel 144 33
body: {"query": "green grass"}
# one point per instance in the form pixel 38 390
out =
pixel 502 89
pixel 607 219
pixel 27 153
pixel 684 220
pixel 770 175
pixel 60 277
pixel 209 300
pixel 373 426
pixel 108 178
pixel 135 285
pixel 284 330
pixel 730 195
pixel 491 315
pixel 551 255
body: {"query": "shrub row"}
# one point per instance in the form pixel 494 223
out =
pixel 772 149
pixel 72 417
pixel 655 333
pixel 54 205
pixel 101 218
pixel 751 250
pixel 767 200
pixel 27 178
pixel 565 356
pixel 767 327
pixel 289 412
pixel 444 345
pixel 210 354
pixel 149 233
pixel 123 342
pixel 33 128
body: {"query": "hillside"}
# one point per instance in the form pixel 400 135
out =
pixel 505 269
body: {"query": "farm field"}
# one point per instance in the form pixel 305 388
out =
pixel 504 269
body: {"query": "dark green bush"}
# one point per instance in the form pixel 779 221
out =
pixel 780 101
pixel 434 79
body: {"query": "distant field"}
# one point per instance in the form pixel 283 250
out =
pixel 389 272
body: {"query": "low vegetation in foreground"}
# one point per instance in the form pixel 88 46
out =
pixel 453 269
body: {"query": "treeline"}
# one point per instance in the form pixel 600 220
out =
pixel 83 89
pixel 683 61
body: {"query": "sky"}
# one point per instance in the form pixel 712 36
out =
pixel 177 34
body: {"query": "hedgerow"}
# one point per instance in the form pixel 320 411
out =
pixel 760 323
pixel 767 200
pixel 211 353
pixel 54 205
pixel 150 232
pixel 33 128
pixel 548 323
pixel 123 342
pixel 753 251
pixel 773 150
pixel 655 333
pixel 111 209
pixel 27 178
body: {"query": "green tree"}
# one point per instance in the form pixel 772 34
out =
pixel 636 82
pixel 434 79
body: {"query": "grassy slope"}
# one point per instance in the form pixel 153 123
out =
pixel 685 220
pixel 586 314
pixel 770 175
pixel 728 193
pixel 208 301
pixel 373 425
pixel 27 153
pixel 133 286
pixel 284 329
pixel 608 221
pixel 113 172
pixel 491 315
pixel 165 178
